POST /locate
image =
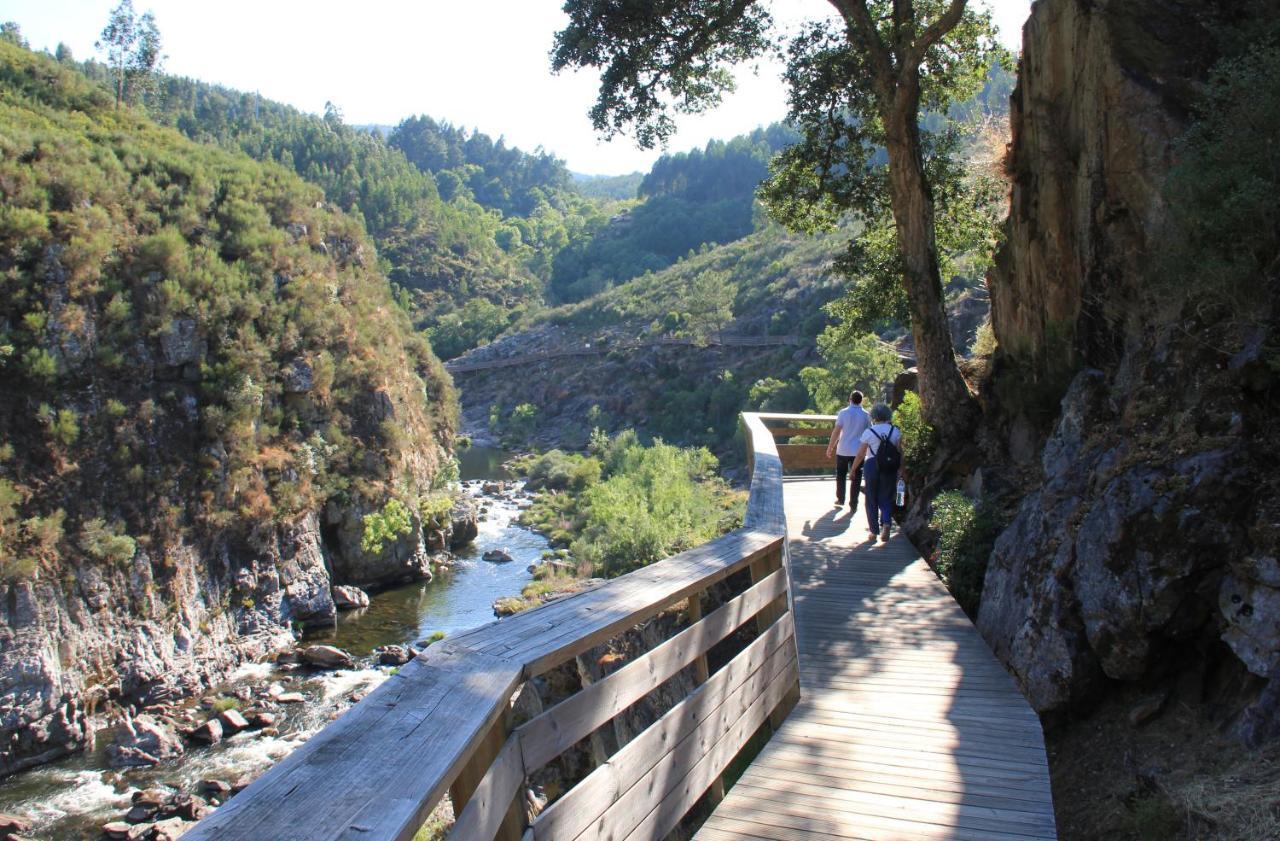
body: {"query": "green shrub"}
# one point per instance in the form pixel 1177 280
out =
pixel 967 532
pixel 521 422
pixel 920 442
pixel 559 471
pixel 221 705
pixel 107 543
pixel 385 526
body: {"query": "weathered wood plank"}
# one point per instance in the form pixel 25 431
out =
pixel 573 813
pixel 491 809
pixel 378 770
pixel 548 735
pixel 909 727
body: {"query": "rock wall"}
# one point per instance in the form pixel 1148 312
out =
pixel 153 630
pixel 1143 548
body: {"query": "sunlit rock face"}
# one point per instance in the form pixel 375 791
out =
pixel 1142 550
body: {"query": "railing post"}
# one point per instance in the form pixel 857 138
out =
pixel 464 785
pixel 761 569
pixel 701 673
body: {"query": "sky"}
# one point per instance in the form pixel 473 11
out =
pixel 479 64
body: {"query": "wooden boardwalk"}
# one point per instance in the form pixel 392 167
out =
pixel 908 727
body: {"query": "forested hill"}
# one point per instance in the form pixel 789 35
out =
pixel 439 251
pixel 199 364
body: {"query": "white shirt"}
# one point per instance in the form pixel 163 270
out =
pixel 882 429
pixel 852 421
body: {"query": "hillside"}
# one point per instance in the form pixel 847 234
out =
pixel 677 381
pixel 204 386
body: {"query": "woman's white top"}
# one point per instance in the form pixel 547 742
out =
pixel 881 430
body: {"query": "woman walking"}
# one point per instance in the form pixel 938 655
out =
pixel 880 456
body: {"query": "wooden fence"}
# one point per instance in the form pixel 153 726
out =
pixel 443 722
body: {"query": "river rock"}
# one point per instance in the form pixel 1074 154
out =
pixel 13 823
pixel 233 721
pixel 326 657
pixel 143 741
pixel 215 786
pixel 463 523
pixel 210 732
pixel 497 556
pixel 493 488
pixel 169 830
pixel 291 698
pixel 262 719
pixel 346 597
pixel 394 655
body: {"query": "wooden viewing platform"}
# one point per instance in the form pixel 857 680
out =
pixel 882 713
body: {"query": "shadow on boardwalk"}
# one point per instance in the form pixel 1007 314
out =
pixel 908 727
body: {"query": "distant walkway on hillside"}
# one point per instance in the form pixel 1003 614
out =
pixel 464 366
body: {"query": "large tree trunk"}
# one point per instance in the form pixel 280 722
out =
pixel 948 406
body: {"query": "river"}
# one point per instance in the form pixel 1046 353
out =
pixel 72 798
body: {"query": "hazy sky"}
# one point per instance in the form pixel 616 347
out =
pixel 476 63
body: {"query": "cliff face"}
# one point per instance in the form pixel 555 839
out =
pixel 1143 550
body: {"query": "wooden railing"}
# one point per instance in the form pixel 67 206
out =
pixel 808 455
pixel 443 723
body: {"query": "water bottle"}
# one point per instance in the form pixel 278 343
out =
pixel 902 493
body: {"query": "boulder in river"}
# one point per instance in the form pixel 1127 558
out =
pixel 497 556
pixel 169 830
pixel 233 721
pixel 394 655
pixel 143 741
pixel 13 823
pixel 291 698
pixel 349 598
pixel 210 732
pixel 326 657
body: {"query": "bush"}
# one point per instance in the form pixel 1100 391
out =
pixel 385 526
pixel 107 543
pixel 559 471
pixel 920 442
pixel 966 535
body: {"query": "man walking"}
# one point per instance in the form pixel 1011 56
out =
pixel 851 422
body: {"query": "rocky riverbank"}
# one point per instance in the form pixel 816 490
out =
pixel 200 749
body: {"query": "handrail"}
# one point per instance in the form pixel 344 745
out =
pixel 442 723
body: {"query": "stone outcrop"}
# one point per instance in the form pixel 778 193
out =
pixel 1142 549
pixel 154 630
pixel 143 741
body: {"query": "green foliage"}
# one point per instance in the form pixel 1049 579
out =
pixel 690 200
pixel 62 425
pixel 653 502
pixel 385 526
pixel 1224 192
pixel 518 426
pixel 221 705
pixel 476 323
pixel 984 341
pixel 433 510
pixel 628 505
pixel 556 470
pixel 774 395
pixel 920 442
pixel 967 532
pixel 852 362
pixel 132 46
pixel 107 543
pixel 200 280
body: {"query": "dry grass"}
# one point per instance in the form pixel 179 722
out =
pixel 1174 779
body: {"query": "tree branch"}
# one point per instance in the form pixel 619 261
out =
pixel 855 14
pixel 937 29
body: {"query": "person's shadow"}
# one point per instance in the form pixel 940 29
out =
pixel 834 521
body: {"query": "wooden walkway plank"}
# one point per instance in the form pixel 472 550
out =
pixel 908 727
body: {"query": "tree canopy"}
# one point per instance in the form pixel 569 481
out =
pixel 859 86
